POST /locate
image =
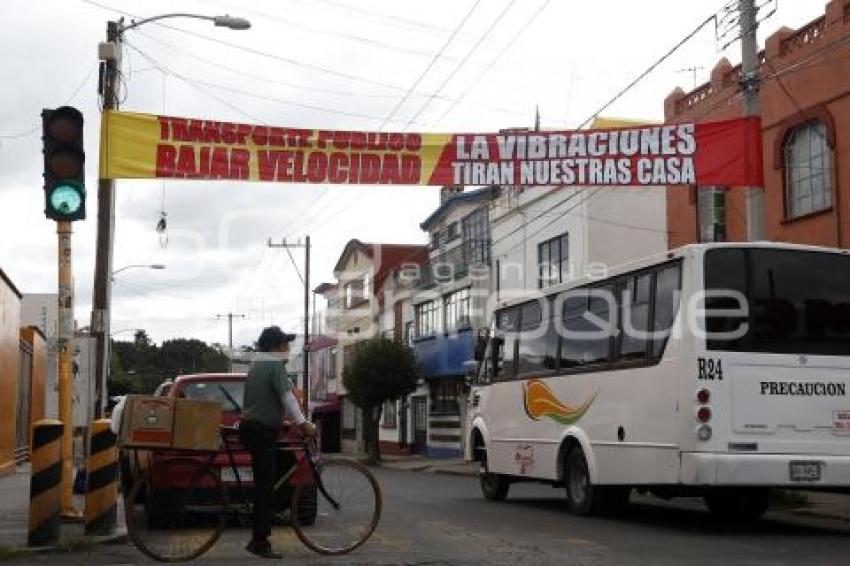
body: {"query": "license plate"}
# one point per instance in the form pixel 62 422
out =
pixel 805 471
pixel 245 474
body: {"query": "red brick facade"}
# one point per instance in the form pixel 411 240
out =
pixel 805 76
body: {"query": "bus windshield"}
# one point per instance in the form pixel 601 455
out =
pixel 798 301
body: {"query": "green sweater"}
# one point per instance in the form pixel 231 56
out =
pixel 264 389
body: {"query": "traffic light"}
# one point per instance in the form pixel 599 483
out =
pixel 64 164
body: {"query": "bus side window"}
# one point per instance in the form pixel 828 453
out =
pixel 538 342
pixel 635 299
pixel 668 285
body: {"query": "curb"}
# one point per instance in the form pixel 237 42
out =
pixel 21 552
pixel 451 472
pixel 804 512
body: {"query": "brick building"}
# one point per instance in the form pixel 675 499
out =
pixel 805 107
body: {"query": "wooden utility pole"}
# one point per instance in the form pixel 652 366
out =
pixel 305 379
pixel 102 296
pixel 230 316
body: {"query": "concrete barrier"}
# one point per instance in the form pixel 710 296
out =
pixel 101 512
pixel 45 483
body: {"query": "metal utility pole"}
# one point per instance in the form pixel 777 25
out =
pixel 305 380
pixel 750 89
pixel 230 316
pixel 105 229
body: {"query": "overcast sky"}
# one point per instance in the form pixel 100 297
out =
pixel 336 64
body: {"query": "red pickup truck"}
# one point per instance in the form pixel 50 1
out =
pixel 228 389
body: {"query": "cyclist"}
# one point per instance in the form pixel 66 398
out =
pixel 268 394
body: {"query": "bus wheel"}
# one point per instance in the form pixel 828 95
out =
pixel 494 486
pixel 738 505
pixel 581 493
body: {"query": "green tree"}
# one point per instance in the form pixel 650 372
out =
pixel 140 366
pixel 380 370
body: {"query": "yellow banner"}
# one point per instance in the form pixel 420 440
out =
pixel 146 146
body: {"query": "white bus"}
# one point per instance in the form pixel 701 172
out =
pixel 737 384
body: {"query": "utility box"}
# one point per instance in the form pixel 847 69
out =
pixel 196 425
pixel 148 421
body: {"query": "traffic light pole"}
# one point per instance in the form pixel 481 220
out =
pixel 65 373
pixel 102 298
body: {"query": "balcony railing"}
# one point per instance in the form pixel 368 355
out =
pixel 450 266
pixel 805 36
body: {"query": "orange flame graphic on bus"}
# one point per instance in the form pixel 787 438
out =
pixel 541 402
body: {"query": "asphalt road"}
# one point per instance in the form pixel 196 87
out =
pixel 435 520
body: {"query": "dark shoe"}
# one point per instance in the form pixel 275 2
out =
pixel 262 549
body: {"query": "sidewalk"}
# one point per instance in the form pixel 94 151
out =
pixel 418 463
pixel 14 514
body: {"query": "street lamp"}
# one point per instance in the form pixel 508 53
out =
pixel 151 266
pixel 110 55
pixel 225 21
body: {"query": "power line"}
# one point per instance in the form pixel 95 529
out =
pixel 604 107
pixel 389 18
pixel 430 64
pixel 331 91
pixel 236 46
pixel 651 68
pixel 70 99
pixel 263 78
pixel 493 61
pixel 365 40
pixel 462 61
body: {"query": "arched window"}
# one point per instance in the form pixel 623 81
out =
pixel 808 169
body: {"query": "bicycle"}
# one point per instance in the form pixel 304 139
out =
pixel 179 507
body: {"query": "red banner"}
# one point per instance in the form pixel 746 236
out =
pixel 727 153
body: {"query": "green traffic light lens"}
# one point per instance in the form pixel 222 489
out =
pixel 66 199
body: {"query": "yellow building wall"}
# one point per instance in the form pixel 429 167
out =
pixel 35 339
pixel 10 321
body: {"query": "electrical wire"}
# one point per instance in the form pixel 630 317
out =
pixel 258 52
pixel 332 91
pixel 364 40
pixel 68 101
pixel 651 68
pixel 388 18
pixel 431 63
pixel 195 82
pixel 494 60
pixel 462 62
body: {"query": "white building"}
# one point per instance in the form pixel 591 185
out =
pixel 42 311
pixel 547 235
pixel 362 268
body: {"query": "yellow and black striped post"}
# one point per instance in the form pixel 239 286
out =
pixel 45 483
pixel 101 511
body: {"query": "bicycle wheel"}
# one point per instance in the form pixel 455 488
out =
pixel 176 510
pixel 342 513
